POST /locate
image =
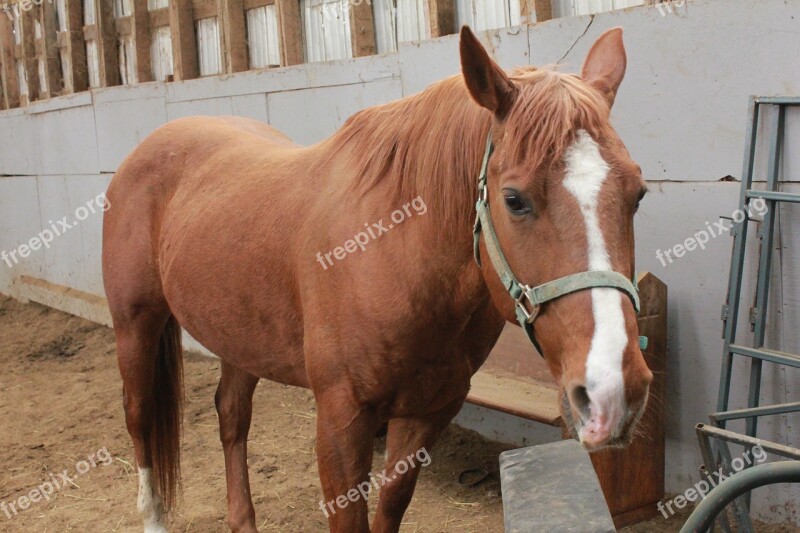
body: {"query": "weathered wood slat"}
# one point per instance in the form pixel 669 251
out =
pixel 289 24
pixel 184 47
pixel 234 35
pixel 140 29
pixel 72 40
pixel 524 398
pixel 8 64
pixel 442 16
pixel 362 29
pixel 107 45
pixel 552 487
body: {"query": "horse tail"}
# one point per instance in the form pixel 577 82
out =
pixel 164 440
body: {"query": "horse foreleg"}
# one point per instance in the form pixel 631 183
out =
pixel 408 444
pixel 345 436
pixel 234 401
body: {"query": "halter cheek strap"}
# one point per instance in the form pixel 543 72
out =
pixel 528 300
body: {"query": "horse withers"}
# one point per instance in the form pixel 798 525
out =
pixel 218 225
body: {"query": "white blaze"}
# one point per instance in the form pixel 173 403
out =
pixel 586 173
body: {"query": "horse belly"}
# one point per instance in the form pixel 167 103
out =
pixel 224 285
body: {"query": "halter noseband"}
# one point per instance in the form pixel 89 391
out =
pixel 536 296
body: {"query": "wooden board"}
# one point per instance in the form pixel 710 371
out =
pixel 234 35
pixel 140 28
pixel 184 46
pixel 552 487
pixel 290 27
pixel 48 51
pixel 442 17
pixel 523 398
pixel 77 70
pixel 362 29
pixel 107 45
pixel 8 64
pixel 26 52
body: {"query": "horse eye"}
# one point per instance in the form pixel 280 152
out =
pixel 515 203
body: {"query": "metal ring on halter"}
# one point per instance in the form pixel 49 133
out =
pixel 483 194
pixel 535 308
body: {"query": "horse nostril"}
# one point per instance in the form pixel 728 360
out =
pixel 579 397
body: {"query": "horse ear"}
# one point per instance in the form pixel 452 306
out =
pixel 604 67
pixel 486 81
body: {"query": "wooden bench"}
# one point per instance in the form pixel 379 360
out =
pixel 515 380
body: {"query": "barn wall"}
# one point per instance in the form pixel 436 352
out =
pixel 681 111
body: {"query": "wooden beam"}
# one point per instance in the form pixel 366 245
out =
pixel 75 49
pixel 289 25
pixel 442 17
pixel 233 34
pixel 140 29
pixel 537 401
pixel 184 46
pixel 8 63
pixel 534 11
pixel 362 28
pixel 252 4
pixel 123 26
pixel 159 18
pixel 49 53
pixel 107 43
pixel 203 9
pixel 26 52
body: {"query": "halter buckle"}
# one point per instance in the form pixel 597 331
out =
pixel 530 316
pixel 483 194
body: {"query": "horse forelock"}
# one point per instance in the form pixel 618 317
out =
pixel 550 108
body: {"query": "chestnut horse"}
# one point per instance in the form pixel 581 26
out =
pixel 225 227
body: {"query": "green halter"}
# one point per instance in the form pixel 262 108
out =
pixel 536 296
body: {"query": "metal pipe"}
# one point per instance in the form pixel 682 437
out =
pixel 745 440
pixel 767 410
pixel 777 100
pixel 752 478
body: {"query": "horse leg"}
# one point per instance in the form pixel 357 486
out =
pixel 234 401
pixel 139 335
pixel 345 435
pixel 409 440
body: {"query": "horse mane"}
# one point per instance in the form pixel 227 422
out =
pixel 431 144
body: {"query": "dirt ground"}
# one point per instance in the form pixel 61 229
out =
pixel 61 408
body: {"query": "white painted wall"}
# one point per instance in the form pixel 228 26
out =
pixel 681 111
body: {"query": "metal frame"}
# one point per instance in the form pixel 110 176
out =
pixel 703 516
pixel 717 454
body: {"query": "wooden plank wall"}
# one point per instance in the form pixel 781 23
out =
pixel 57 62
